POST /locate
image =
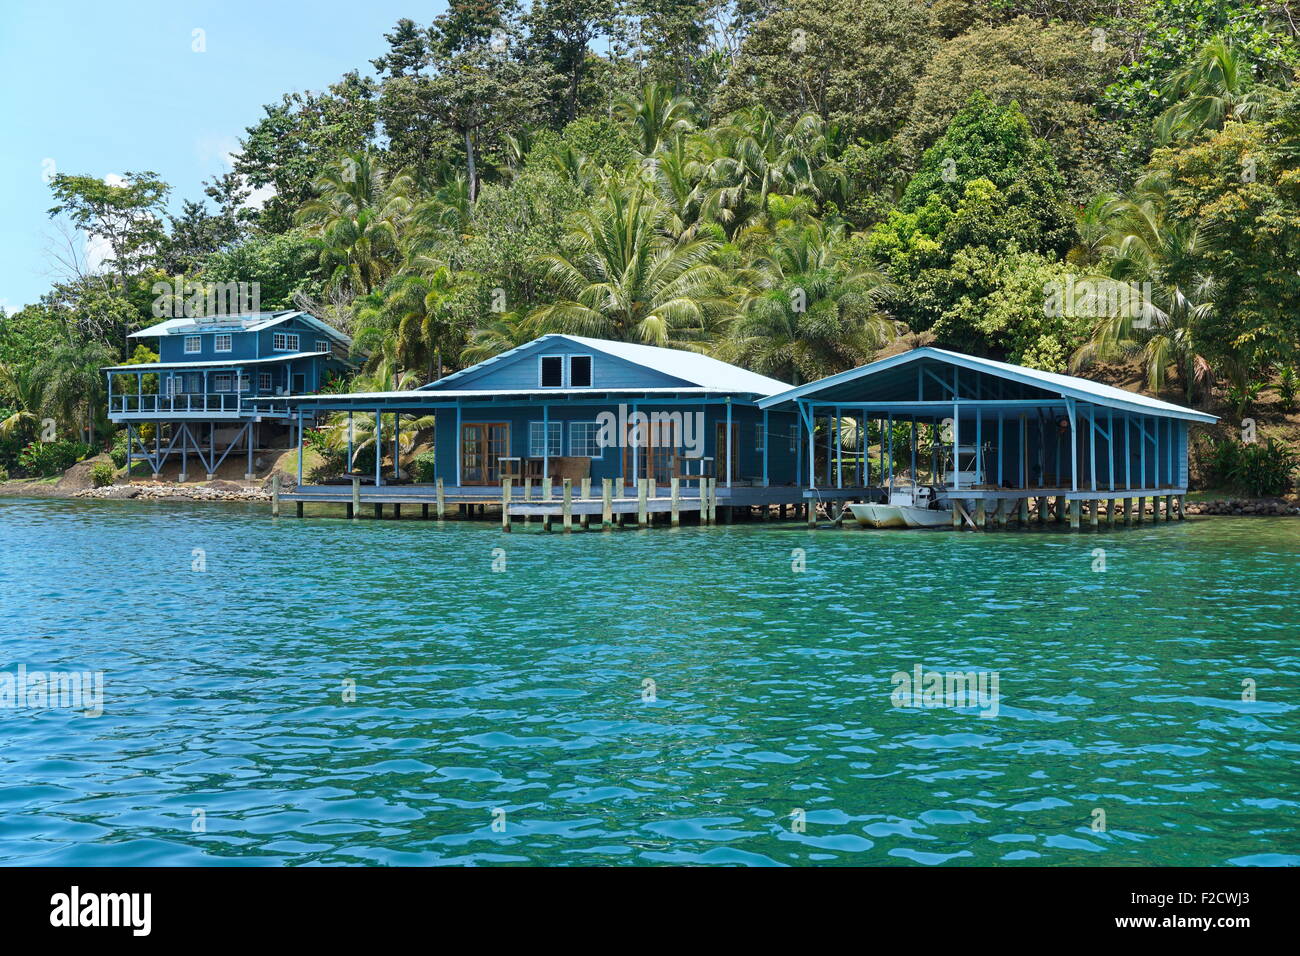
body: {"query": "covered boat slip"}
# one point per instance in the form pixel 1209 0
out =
pixel 1021 437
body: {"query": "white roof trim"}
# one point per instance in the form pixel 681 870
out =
pixel 423 395
pixel 229 363
pixel 1068 386
pixel 249 323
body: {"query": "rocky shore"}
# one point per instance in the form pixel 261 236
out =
pixel 1244 506
pixel 153 491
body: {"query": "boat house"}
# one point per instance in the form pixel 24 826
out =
pixel 993 437
pixel 617 420
pixel 223 383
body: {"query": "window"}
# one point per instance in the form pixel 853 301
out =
pixel 553 432
pixel 221 382
pixel 322 345
pixel 196 382
pixel 552 371
pixel 584 440
pixel 175 385
pixel 193 344
pixel 580 371
pixel 263 381
pixel 794 437
pixel 222 342
pixel 284 342
pixel 245 385
pixel 760 438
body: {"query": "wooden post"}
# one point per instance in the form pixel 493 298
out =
pixel 1182 508
pixel 1042 509
pixel 981 514
pixel 641 492
pixel 1000 512
pixel 442 500
pixel 505 503
pixel 397 512
pixel 1169 500
pixel 1024 512
pixel 298 508
pixel 607 506
pixel 1062 506
pixel 275 495
pixel 1126 511
pixel 567 507
pixel 1073 507
pixel 1110 512
pixel 674 487
pixel 356 500
pixel 1094 513
pixel 585 495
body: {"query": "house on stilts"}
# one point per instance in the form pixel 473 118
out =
pixel 222 384
pixel 633 429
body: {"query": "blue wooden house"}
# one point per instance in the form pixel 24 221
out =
pixel 209 371
pixel 565 406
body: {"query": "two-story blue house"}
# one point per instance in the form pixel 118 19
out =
pixel 208 372
pixel 566 406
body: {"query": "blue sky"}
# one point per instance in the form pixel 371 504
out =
pixel 100 88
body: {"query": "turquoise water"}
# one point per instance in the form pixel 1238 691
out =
pixel 518 697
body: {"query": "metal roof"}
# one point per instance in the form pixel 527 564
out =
pixel 253 322
pixel 1069 386
pixel 229 363
pixel 699 370
pixel 425 397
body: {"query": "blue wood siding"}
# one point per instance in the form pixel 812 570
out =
pixel 522 371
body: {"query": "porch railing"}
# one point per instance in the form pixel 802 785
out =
pixel 187 403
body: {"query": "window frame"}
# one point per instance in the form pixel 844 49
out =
pixel 218 377
pixel 591 370
pixel 216 342
pixel 291 341
pixel 557 437
pixel 594 441
pixel 541 370
pixel 326 350
pixel 264 382
pixel 196 340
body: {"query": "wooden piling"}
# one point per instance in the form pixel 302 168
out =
pixel 1169 514
pixel 607 506
pixel 981 514
pixel 566 509
pixel 674 488
pixel 1002 512
pixel 354 510
pixel 641 493
pixel 1182 508
pixel 505 503
pixel 1062 506
pixel 397 512
pixel 275 495
pixel 442 500
pixel 379 510
pixel 298 507
pixel 1023 512
pixel 1042 509
pixel 1073 507
pixel 585 495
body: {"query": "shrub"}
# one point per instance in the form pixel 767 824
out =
pixel 101 474
pixel 46 458
pixel 1288 387
pixel 422 468
pixel 4 473
pixel 1255 470
pixel 118 452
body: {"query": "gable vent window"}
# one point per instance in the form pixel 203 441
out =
pixel 580 371
pixel 552 372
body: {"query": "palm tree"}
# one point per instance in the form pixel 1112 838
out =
pixel 356 216
pixel 1149 250
pixel 626 279
pixel 72 386
pixel 507 331
pixel 1217 87
pixel 657 116
pixel 812 313
pixel 21 393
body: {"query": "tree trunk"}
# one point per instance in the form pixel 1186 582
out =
pixel 473 172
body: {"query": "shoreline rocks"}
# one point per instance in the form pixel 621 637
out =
pixel 1244 507
pixel 150 491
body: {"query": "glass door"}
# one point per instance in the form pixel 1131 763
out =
pixel 482 446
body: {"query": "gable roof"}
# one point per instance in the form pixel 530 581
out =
pixel 253 322
pixel 1068 386
pixel 691 367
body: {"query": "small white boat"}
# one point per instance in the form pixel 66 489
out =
pixel 878 515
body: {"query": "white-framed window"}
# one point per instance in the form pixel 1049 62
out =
pixel 245 382
pixel 550 371
pixel 193 344
pixel 222 381
pixel 322 345
pixel 196 382
pixel 584 440
pixel 579 371
pixel 263 381
pixel 175 385
pixel 551 445
pixel 222 342
pixel 285 341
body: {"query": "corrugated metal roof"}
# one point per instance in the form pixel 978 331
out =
pixel 228 363
pixel 1066 385
pixel 254 322
pixel 423 395
pixel 699 370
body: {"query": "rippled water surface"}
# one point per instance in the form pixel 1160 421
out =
pixel 521 697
